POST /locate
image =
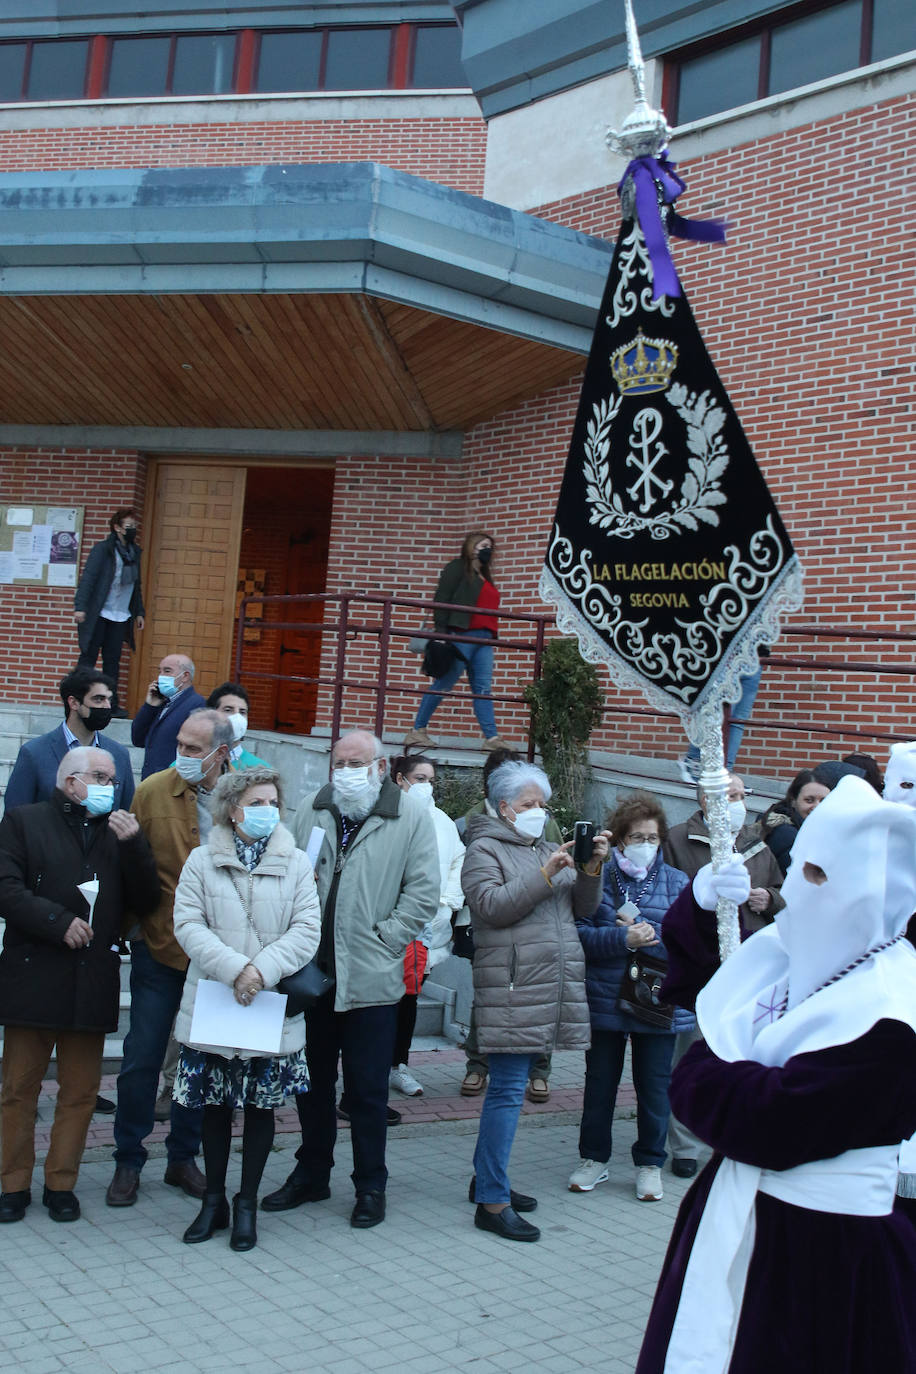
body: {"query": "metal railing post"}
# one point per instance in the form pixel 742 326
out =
pixel 240 636
pixel 339 667
pixel 384 643
pixel 538 655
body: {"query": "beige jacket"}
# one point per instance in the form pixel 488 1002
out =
pixel 529 968
pixel 226 918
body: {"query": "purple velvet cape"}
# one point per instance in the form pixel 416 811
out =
pixel 826 1293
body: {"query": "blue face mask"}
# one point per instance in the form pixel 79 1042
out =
pixel 259 821
pixel 166 686
pixel 99 798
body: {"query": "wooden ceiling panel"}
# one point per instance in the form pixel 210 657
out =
pixel 260 362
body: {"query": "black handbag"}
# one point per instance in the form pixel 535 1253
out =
pixel 641 987
pixel 439 656
pixel 304 987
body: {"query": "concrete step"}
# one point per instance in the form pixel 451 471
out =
pixel 429 1016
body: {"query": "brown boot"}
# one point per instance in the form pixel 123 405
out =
pixel 123 1188
pixel 418 739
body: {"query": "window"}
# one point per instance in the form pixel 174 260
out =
pixel 289 61
pixel 357 59
pixel 368 58
pixel 788 50
pixel 57 70
pixel 12 69
pixel 815 47
pixel 437 57
pixel 204 64
pixel 893 28
pixel 139 66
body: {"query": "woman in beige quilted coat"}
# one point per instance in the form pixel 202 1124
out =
pixel 247 915
pixel 529 970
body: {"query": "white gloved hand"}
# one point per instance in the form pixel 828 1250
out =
pixel 732 882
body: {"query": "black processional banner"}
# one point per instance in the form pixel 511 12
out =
pixel 668 560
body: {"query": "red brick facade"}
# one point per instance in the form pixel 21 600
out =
pixel 801 312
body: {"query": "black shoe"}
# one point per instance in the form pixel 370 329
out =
pixel 293 1193
pixel 13 1205
pixel 62 1205
pixel 519 1202
pixel 393 1117
pixel 104 1104
pixel 683 1168
pixel 213 1216
pixel 369 1210
pixel 506 1223
pixel 244 1223
pixel 123 1188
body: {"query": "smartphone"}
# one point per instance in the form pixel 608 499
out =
pixel 583 841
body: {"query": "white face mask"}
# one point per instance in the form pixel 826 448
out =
pixel 900 777
pixel 530 823
pixel 356 790
pixel 641 855
pixel 737 815
pixel 349 782
pixel 192 770
pixel 239 725
pixel 421 793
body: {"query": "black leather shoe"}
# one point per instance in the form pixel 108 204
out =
pixel 186 1176
pixel 519 1202
pixel 213 1216
pixel 392 1117
pixel 369 1210
pixel 506 1223
pixel 683 1168
pixel 62 1205
pixel 293 1193
pixel 244 1223
pixel 13 1205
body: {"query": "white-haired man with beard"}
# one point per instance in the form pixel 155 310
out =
pixel 377 869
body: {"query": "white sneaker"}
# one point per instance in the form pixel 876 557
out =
pixel 403 1081
pixel 689 770
pixel 649 1183
pixel 589 1174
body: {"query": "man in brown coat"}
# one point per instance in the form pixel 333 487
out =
pixel 172 807
pixel 688 848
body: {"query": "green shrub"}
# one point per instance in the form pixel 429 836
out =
pixel 566 705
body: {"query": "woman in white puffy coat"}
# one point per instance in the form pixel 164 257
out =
pixel 415 775
pixel 246 914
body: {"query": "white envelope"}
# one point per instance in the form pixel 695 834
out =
pixel 220 1022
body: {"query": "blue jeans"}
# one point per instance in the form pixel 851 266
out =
pixel 651 1076
pixel 480 675
pixel 499 1116
pixel 155 995
pixel 742 709
pixel 363 1039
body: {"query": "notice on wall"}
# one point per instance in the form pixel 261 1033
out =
pixel 40 545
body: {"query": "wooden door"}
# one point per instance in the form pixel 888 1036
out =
pixel 193 532
pixel 300 651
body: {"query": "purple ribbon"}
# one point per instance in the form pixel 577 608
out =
pixel 647 173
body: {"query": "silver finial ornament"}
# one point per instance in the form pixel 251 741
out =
pixel 645 131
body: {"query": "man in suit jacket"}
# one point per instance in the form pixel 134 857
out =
pixel 169 702
pixel 87 698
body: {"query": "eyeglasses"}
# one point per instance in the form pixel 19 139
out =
pixel 642 839
pixel 353 763
pixel 103 779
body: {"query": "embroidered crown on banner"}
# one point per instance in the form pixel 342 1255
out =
pixel 643 366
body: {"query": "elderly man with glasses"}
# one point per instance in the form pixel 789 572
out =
pixel 60 968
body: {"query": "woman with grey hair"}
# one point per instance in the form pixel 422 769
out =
pixel 247 915
pixel 523 893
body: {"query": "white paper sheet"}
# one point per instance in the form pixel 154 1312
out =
pixel 6 566
pixel 22 543
pixel 59 574
pixel 19 515
pixel 28 567
pixel 61 517
pixel 313 848
pixel 90 891
pixel 41 542
pixel 219 1021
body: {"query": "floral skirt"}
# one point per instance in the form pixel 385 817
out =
pixel 209 1080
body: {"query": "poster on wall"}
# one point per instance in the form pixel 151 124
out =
pixel 40 545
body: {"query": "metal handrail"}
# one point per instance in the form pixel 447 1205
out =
pixel 386 630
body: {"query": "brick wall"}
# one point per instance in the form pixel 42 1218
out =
pixel 448 150
pixel 37 633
